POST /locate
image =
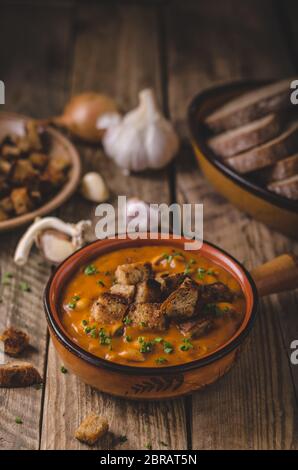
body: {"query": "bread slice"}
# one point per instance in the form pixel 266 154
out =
pixel 181 304
pixel 245 137
pixel 146 317
pixel 268 153
pixel 91 429
pixel 18 374
pixel 287 187
pixel 281 170
pixel 133 273
pixel 148 292
pixel 124 290
pixel 250 106
pixel 109 309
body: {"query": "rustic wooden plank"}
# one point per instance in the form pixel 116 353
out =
pixel 116 51
pixel 254 406
pixel 33 65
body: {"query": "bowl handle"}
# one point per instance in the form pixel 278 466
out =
pixel 278 275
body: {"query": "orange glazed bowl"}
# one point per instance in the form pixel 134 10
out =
pixel 146 383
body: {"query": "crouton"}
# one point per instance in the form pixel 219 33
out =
pixel 196 328
pixel 21 201
pixel 216 292
pixel 133 273
pixel 10 151
pixel 169 283
pixel 182 303
pixel 5 167
pixel 32 135
pixel 38 160
pixel 15 341
pixel 125 291
pixel 146 317
pixel 148 292
pixel 23 172
pixel 6 205
pixel 108 308
pixel 91 429
pixel 18 374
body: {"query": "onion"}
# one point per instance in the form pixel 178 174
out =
pixel 81 113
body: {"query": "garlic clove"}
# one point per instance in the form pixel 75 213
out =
pixel 55 246
pixel 94 188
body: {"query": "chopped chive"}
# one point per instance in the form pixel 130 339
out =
pixel 71 305
pixel 146 346
pixel 168 347
pixel 187 345
pixel 6 279
pixel 158 340
pixel 63 370
pixel 101 283
pixel 161 360
pixel 87 329
pixel 104 339
pixel 162 443
pixel 143 324
pixel 122 439
pixel 24 286
pixel 75 298
pixel 127 321
pixel 93 333
pixel 210 272
pixel 90 270
pixel 84 322
pixel 128 338
pixel 19 420
pixel 148 446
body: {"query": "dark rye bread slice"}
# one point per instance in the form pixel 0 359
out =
pixel 287 187
pixel 268 153
pixel 250 106
pixel 245 137
pixel 281 170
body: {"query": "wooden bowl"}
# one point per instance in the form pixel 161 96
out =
pixel 11 123
pixel 155 383
pixel 274 210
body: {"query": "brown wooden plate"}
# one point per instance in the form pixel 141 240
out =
pixel 12 123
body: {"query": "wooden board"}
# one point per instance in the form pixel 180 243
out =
pixel 119 60
pixel 31 68
pixel 254 407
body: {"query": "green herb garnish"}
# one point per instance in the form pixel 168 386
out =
pixel 127 321
pixel 161 360
pixel 210 272
pixel 6 279
pixel 90 270
pixel 104 339
pixel 128 338
pixel 162 443
pixel 63 370
pixel 19 420
pixel 201 273
pixel 101 283
pixel 168 347
pixel 148 446
pixel 84 322
pixel 187 345
pixel 158 340
pixel 93 333
pixel 24 286
pixel 146 346
pixel 122 439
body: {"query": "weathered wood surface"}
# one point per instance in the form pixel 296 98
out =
pixel 179 48
pixel 255 406
pixel 118 58
pixel 31 67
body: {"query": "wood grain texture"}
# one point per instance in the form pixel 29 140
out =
pixel 113 53
pixel 31 69
pixel 255 406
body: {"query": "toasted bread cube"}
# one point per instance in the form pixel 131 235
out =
pixel 15 341
pixel 216 292
pixel 18 374
pixel 182 303
pixel 38 159
pixel 133 273
pixel 23 172
pixel 146 317
pixel 32 135
pixel 196 328
pixel 148 292
pixel 125 291
pixel 169 283
pixel 108 308
pixel 91 429
pixel 21 201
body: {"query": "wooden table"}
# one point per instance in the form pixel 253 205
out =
pixel 52 50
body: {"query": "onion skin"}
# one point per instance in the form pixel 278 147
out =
pixel 81 113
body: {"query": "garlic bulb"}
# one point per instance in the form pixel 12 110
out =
pixel 56 239
pixel 142 139
pixel 94 188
